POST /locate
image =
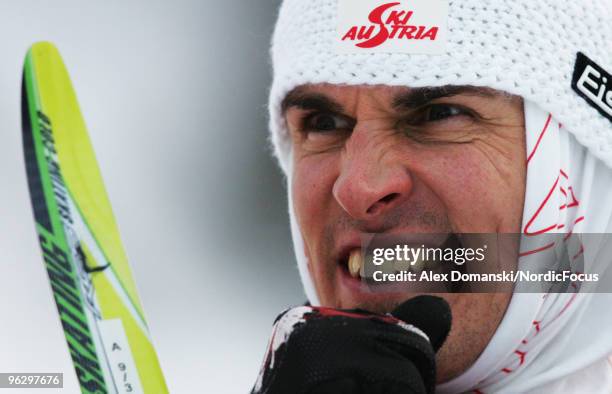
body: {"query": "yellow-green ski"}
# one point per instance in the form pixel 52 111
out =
pixel 96 298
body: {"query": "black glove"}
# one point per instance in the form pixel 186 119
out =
pixel 316 350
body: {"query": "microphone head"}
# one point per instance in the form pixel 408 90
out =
pixel 430 314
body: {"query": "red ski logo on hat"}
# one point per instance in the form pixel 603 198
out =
pixel 392 26
pixel 389 22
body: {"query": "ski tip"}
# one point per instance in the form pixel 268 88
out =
pixel 42 48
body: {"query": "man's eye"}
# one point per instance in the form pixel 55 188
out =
pixel 321 122
pixel 438 112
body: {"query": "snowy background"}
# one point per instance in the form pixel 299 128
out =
pixel 174 96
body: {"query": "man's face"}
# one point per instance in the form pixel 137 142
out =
pixel 393 160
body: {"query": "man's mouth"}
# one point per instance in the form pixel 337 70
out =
pixel 356 262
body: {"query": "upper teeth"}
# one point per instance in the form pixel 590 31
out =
pixel 355 263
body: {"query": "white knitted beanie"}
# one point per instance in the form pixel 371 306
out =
pixel 524 47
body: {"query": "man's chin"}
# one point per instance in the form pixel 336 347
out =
pixel 380 306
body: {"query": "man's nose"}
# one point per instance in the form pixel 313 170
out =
pixel 370 184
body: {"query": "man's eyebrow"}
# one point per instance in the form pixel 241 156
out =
pixel 309 101
pixel 420 96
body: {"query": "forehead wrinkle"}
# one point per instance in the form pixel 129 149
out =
pixel 375 103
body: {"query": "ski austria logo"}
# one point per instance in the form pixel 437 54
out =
pixel 408 26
